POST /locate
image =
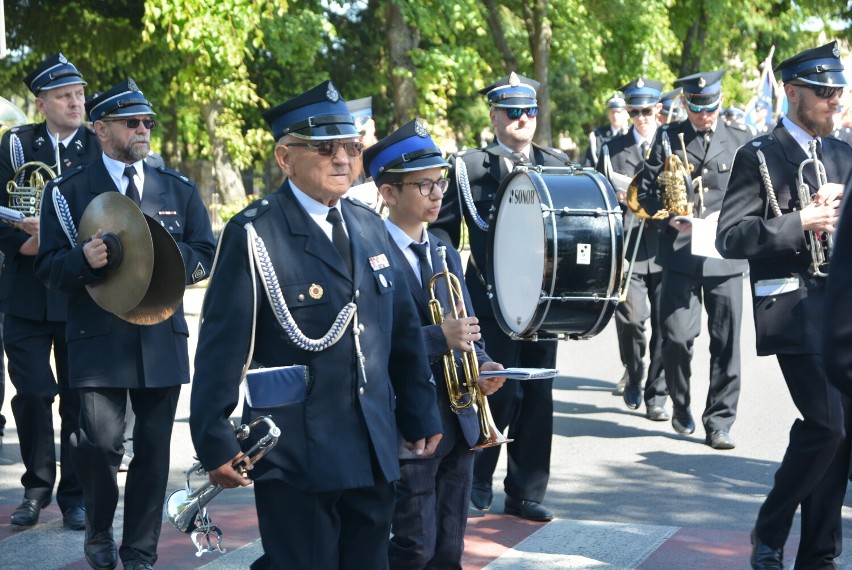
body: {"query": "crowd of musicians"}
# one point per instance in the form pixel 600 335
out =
pixel 391 430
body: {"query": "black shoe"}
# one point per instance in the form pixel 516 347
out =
pixel 657 414
pixel 100 549
pixel 720 439
pixel 529 510
pixel 481 495
pixel 632 395
pixel 27 512
pixel 619 388
pixel 682 422
pixel 74 518
pixel 137 564
pixel 764 557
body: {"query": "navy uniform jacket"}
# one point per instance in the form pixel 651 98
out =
pixel 105 351
pixel 776 247
pixel 601 136
pixel 714 166
pixel 25 296
pixel 626 158
pixel 436 342
pixel 486 168
pixel 837 324
pixel 326 440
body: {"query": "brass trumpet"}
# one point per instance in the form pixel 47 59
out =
pixel 186 508
pixel 819 243
pixel 464 395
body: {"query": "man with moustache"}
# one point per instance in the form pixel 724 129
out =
pixel 621 158
pixel 526 407
pixel 110 357
pixel 765 220
pixel 35 315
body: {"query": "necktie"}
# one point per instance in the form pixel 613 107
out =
pixel 705 136
pixel 520 158
pixel 132 191
pixel 645 147
pixel 339 237
pixel 422 251
pixel 818 150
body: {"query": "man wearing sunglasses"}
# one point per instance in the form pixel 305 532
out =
pixel 764 220
pixel 706 145
pixel 616 112
pixel 325 494
pixel 526 407
pixel 621 158
pixel 109 357
pixel 35 315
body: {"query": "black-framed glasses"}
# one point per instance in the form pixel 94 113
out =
pixel 703 108
pixel 134 123
pixel 329 148
pixel 515 113
pixel 645 112
pixel 822 91
pixel 426 185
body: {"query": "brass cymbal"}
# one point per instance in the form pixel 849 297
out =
pixel 122 288
pixel 168 280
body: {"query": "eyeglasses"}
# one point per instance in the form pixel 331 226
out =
pixel 646 112
pixel 515 113
pixel 703 108
pixel 134 123
pixel 426 185
pixel 329 148
pixel 821 91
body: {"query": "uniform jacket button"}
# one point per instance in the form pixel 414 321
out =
pixel 361 391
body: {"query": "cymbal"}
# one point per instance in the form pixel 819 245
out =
pixel 168 280
pixel 122 288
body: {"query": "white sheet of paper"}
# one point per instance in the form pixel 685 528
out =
pixel 704 237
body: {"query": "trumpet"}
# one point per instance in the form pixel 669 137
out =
pixel 462 396
pixel 819 243
pixel 186 508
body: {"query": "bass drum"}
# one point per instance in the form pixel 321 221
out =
pixel 555 253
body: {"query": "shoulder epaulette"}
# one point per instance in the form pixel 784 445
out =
pixel 667 125
pixel 253 211
pixel 176 174
pixel 24 128
pixel 762 141
pixel 735 125
pixel 66 174
pixel 360 204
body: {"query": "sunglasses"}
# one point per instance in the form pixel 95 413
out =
pixel 426 185
pixel 822 91
pixel 646 112
pixel 515 113
pixel 330 148
pixel 703 108
pixel 134 123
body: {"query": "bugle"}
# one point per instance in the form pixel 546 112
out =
pixel 464 395
pixel 186 508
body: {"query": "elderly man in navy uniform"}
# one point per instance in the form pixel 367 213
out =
pixel 526 407
pixel 707 145
pixel 325 493
pixel 616 112
pixel 621 158
pixel 765 220
pixel 110 357
pixel 35 315
pixel 433 493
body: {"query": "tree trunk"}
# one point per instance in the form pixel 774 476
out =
pixel 401 39
pixel 492 11
pixel 228 181
pixel 540 38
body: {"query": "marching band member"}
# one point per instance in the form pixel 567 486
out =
pixel 433 492
pixel 765 221
pixel 526 407
pixel 706 145
pixel 108 356
pixel 325 493
pixel 35 315
pixel 625 155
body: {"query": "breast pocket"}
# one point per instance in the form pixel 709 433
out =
pixel 172 221
pixel 384 279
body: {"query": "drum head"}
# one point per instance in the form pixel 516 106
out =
pixel 518 251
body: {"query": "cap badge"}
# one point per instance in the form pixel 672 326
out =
pixel 315 291
pixel 514 80
pixel 702 82
pixel 132 85
pixel 640 84
pixel 332 93
pixel 420 128
pixel 63 61
pixel 834 51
